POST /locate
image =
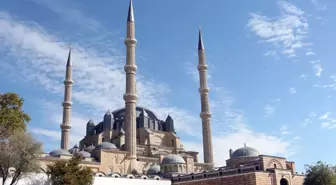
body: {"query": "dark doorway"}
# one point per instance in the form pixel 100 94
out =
pixel 283 181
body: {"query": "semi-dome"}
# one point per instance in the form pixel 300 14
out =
pixel 121 112
pixel 59 152
pixel 106 145
pixel 89 148
pixel 172 159
pixel 84 154
pixel 245 152
pixel 154 170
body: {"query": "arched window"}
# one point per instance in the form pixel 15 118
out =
pixel 275 165
pixel 283 182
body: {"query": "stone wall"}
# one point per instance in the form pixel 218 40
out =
pixel 243 179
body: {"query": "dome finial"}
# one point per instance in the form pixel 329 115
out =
pixel 244 144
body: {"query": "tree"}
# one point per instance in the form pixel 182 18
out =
pixel 320 174
pixel 19 152
pixel 12 117
pixel 69 172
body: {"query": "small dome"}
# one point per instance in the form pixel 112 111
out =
pixel 154 170
pixel 245 152
pixel 90 123
pixel 84 154
pixel 172 159
pixel 89 148
pixel 59 152
pixel 106 145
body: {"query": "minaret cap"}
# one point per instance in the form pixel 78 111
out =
pixel 200 40
pixel 69 62
pixel 130 17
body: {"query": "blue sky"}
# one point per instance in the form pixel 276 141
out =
pixel 270 69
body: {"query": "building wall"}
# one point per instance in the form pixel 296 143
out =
pixel 253 178
pixel 246 179
pixel 298 179
pixel 271 161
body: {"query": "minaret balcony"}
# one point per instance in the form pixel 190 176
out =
pixel 202 67
pixel 205 115
pixel 130 98
pixel 130 42
pixel 130 68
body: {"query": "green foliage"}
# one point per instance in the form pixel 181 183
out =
pixel 20 151
pixel 320 174
pixel 12 117
pixel 70 172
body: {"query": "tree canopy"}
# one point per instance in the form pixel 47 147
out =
pixel 12 117
pixel 69 172
pixel 320 174
pixel 20 153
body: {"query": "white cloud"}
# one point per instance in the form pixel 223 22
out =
pixel 297 137
pixel 317 67
pixel 303 76
pixel 292 90
pixel 99 78
pixel 330 85
pixel 310 53
pixel 325 116
pixel 269 110
pixel 286 32
pixel 99 85
pixel 264 143
pixel 306 122
pixel 284 130
pixel 325 124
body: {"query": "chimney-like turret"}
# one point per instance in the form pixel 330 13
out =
pixel 205 111
pixel 66 126
pixel 130 96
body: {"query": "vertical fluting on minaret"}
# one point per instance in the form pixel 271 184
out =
pixel 205 110
pixel 130 96
pixel 65 126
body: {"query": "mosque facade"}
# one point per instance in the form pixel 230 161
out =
pixel 133 141
pixel 133 138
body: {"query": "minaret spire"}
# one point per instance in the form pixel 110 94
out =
pixel 65 126
pixel 130 96
pixel 69 62
pixel 200 40
pixel 205 111
pixel 130 17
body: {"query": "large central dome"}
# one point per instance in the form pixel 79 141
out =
pixel 245 152
pixel 121 112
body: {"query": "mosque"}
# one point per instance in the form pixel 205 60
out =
pixel 134 140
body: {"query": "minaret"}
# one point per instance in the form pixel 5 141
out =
pixel 130 96
pixel 65 126
pixel 205 113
